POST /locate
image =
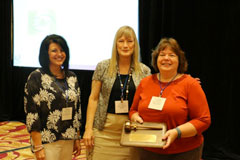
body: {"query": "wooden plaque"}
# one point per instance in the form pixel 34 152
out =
pixel 148 134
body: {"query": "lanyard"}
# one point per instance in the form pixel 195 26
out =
pixel 162 89
pixel 62 89
pixel 126 83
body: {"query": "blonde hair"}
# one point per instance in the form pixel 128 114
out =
pixel 127 32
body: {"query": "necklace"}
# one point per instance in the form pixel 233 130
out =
pixel 126 83
pixel 59 75
pixel 162 89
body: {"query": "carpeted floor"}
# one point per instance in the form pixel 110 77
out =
pixel 15 142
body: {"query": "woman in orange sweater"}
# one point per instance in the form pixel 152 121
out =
pixel 179 101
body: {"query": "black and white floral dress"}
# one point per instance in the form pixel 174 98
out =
pixel 44 99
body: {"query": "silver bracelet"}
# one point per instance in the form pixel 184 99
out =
pixel 38 148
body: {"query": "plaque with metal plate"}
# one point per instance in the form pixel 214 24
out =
pixel 148 134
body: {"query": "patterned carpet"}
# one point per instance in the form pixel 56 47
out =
pixel 15 142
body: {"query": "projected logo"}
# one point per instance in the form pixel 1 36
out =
pixel 41 22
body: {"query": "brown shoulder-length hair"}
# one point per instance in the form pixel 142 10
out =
pixel 126 31
pixel 173 44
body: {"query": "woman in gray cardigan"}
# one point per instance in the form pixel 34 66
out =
pixel 113 86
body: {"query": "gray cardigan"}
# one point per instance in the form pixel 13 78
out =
pixel 100 74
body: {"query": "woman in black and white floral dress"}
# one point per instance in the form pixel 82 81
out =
pixel 52 103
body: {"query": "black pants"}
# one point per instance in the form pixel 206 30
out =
pixel 142 154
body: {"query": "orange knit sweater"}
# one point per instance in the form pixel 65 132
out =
pixel 185 102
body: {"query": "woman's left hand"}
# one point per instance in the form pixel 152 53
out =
pixel 77 147
pixel 170 137
pixel 136 118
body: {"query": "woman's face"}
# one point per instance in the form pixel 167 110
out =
pixel 56 54
pixel 125 46
pixel 167 61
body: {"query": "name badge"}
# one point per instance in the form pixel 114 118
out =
pixel 121 106
pixel 67 113
pixel 157 103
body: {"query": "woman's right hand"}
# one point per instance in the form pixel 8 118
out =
pixel 136 118
pixel 40 155
pixel 88 138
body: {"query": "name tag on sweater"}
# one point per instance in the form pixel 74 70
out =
pixel 157 103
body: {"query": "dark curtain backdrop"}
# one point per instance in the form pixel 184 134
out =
pixel 208 32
